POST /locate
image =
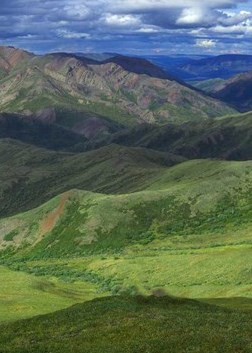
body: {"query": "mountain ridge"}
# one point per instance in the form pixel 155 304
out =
pixel 105 88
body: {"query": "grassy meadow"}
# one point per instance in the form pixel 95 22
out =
pixel 23 295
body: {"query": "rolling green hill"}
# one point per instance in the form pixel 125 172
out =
pixel 132 325
pixel 180 201
pixel 24 295
pixel 195 214
pixel 30 175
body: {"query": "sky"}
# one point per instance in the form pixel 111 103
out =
pixel 138 27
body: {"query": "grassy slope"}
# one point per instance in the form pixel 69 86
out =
pixel 132 325
pixel 30 176
pixel 207 86
pixel 196 215
pixel 23 295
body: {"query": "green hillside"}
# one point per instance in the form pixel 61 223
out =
pixel 122 324
pixel 180 199
pixel 228 137
pixel 30 176
pixel 24 295
pixel 207 86
pixel 195 215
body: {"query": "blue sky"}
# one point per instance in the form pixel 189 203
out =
pixel 128 26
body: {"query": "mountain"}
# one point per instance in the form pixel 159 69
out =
pixel 236 91
pixel 45 129
pixel 11 58
pixel 171 63
pixel 104 90
pixel 96 56
pixel 225 138
pixel 223 67
pixel 124 157
pixel 125 210
pixel 139 66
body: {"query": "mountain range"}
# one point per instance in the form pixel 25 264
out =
pixel 107 89
pixel 125 207
pixel 222 66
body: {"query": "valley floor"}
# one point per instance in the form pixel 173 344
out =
pixel 189 267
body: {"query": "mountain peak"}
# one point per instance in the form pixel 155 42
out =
pixel 139 66
pixel 10 57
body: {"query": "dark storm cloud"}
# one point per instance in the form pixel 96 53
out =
pixel 129 25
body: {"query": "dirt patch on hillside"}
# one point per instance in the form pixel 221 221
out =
pixel 49 222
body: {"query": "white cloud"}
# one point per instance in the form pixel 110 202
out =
pixel 149 29
pixel 191 16
pixel 206 43
pixel 122 20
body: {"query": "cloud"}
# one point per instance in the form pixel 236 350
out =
pixel 131 25
pixel 205 43
pixel 64 33
pixel 191 16
pixel 122 20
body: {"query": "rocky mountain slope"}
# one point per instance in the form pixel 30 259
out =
pixel 107 89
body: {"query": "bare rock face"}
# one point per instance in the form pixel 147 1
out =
pixel 47 115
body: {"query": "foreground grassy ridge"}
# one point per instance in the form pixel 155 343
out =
pixel 121 324
pixel 23 295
